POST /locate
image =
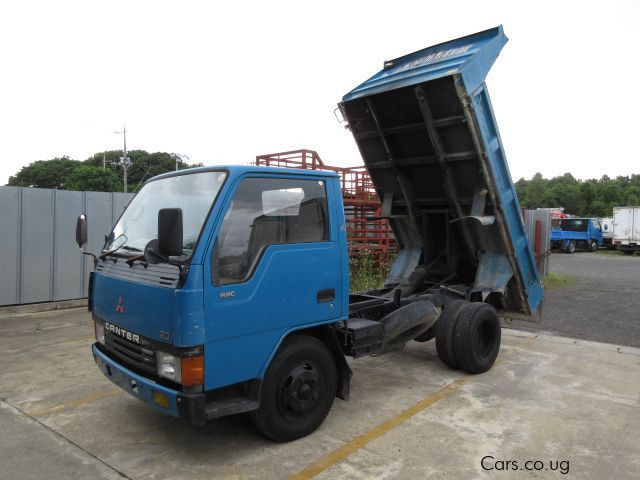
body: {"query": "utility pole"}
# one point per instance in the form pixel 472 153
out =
pixel 181 158
pixel 104 161
pixel 125 161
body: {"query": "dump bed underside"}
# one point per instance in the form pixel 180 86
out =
pixel 434 155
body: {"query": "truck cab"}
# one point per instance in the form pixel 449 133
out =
pixel 578 233
pixel 259 253
pixel 224 290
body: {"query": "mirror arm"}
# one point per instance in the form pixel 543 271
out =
pixel 95 259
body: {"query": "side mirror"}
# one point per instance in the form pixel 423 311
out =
pixel 170 231
pixel 81 231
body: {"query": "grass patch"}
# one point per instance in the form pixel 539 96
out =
pixel 367 271
pixel 554 281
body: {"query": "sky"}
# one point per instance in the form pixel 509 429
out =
pixel 221 82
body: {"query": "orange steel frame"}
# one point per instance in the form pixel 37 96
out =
pixel 366 230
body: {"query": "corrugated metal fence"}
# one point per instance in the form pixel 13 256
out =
pixel 538 230
pixel 40 260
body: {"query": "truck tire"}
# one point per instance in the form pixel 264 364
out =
pixel 428 334
pixel 406 323
pixel 593 246
pixel 445 330
pixel 297 391
pixel 571 247
pixel 477 337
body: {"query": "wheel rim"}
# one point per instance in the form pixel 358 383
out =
pixel 485 339
pixel 300 391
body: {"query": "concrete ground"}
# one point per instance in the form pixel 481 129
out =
pixel 571 405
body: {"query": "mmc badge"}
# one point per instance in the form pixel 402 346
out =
pixel 120 306
pixel 227 294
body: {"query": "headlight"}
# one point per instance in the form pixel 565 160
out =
pixel 99 331
pixel 169 366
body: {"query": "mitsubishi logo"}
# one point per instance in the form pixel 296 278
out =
pixel 120 306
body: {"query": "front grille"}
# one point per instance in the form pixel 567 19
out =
pixel 139 358
pixel 162 274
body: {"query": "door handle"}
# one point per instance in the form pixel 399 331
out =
pixel 327 295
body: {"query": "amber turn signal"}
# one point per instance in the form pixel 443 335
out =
pixel 192 371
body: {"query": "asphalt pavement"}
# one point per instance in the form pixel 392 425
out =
pixel 601 302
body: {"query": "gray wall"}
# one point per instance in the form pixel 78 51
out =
pixel 40 261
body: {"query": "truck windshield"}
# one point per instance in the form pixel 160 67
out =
pixel 194 193
pixel 575 224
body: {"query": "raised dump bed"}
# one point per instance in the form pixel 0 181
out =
pixel 428 136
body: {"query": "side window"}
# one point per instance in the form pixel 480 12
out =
pixel 263 212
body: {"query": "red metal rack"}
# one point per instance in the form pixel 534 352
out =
pixel 366 230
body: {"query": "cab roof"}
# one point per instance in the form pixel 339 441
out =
pixel 245 169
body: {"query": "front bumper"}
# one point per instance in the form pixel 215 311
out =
pixel 189 407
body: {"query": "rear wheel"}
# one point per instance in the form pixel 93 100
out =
pixel 444 331
pixel 298 389
pixel 477 337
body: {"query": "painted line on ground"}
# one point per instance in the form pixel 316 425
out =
pixel 53 344
pixel 379 430
pixel 75 403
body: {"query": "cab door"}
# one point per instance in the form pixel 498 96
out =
pixel 275 264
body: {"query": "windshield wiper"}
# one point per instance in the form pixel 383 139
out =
pixel 123 247
pixel 134 259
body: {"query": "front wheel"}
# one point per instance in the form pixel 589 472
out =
pixel 297 391
pixel 593 246
pixel 571 247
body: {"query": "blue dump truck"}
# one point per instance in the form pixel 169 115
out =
pixel 224 290
pixel 577 233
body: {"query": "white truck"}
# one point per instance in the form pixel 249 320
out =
pixel 626 229
pixel 607 232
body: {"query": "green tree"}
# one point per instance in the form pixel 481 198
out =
pixel 45 173
pixel 94 179
pixel 144 165
pixel 55 173
pixel 593 197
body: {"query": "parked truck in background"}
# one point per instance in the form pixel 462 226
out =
pixel 577 234
pixel 607 232
pixel 626 229
pixel 225 289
